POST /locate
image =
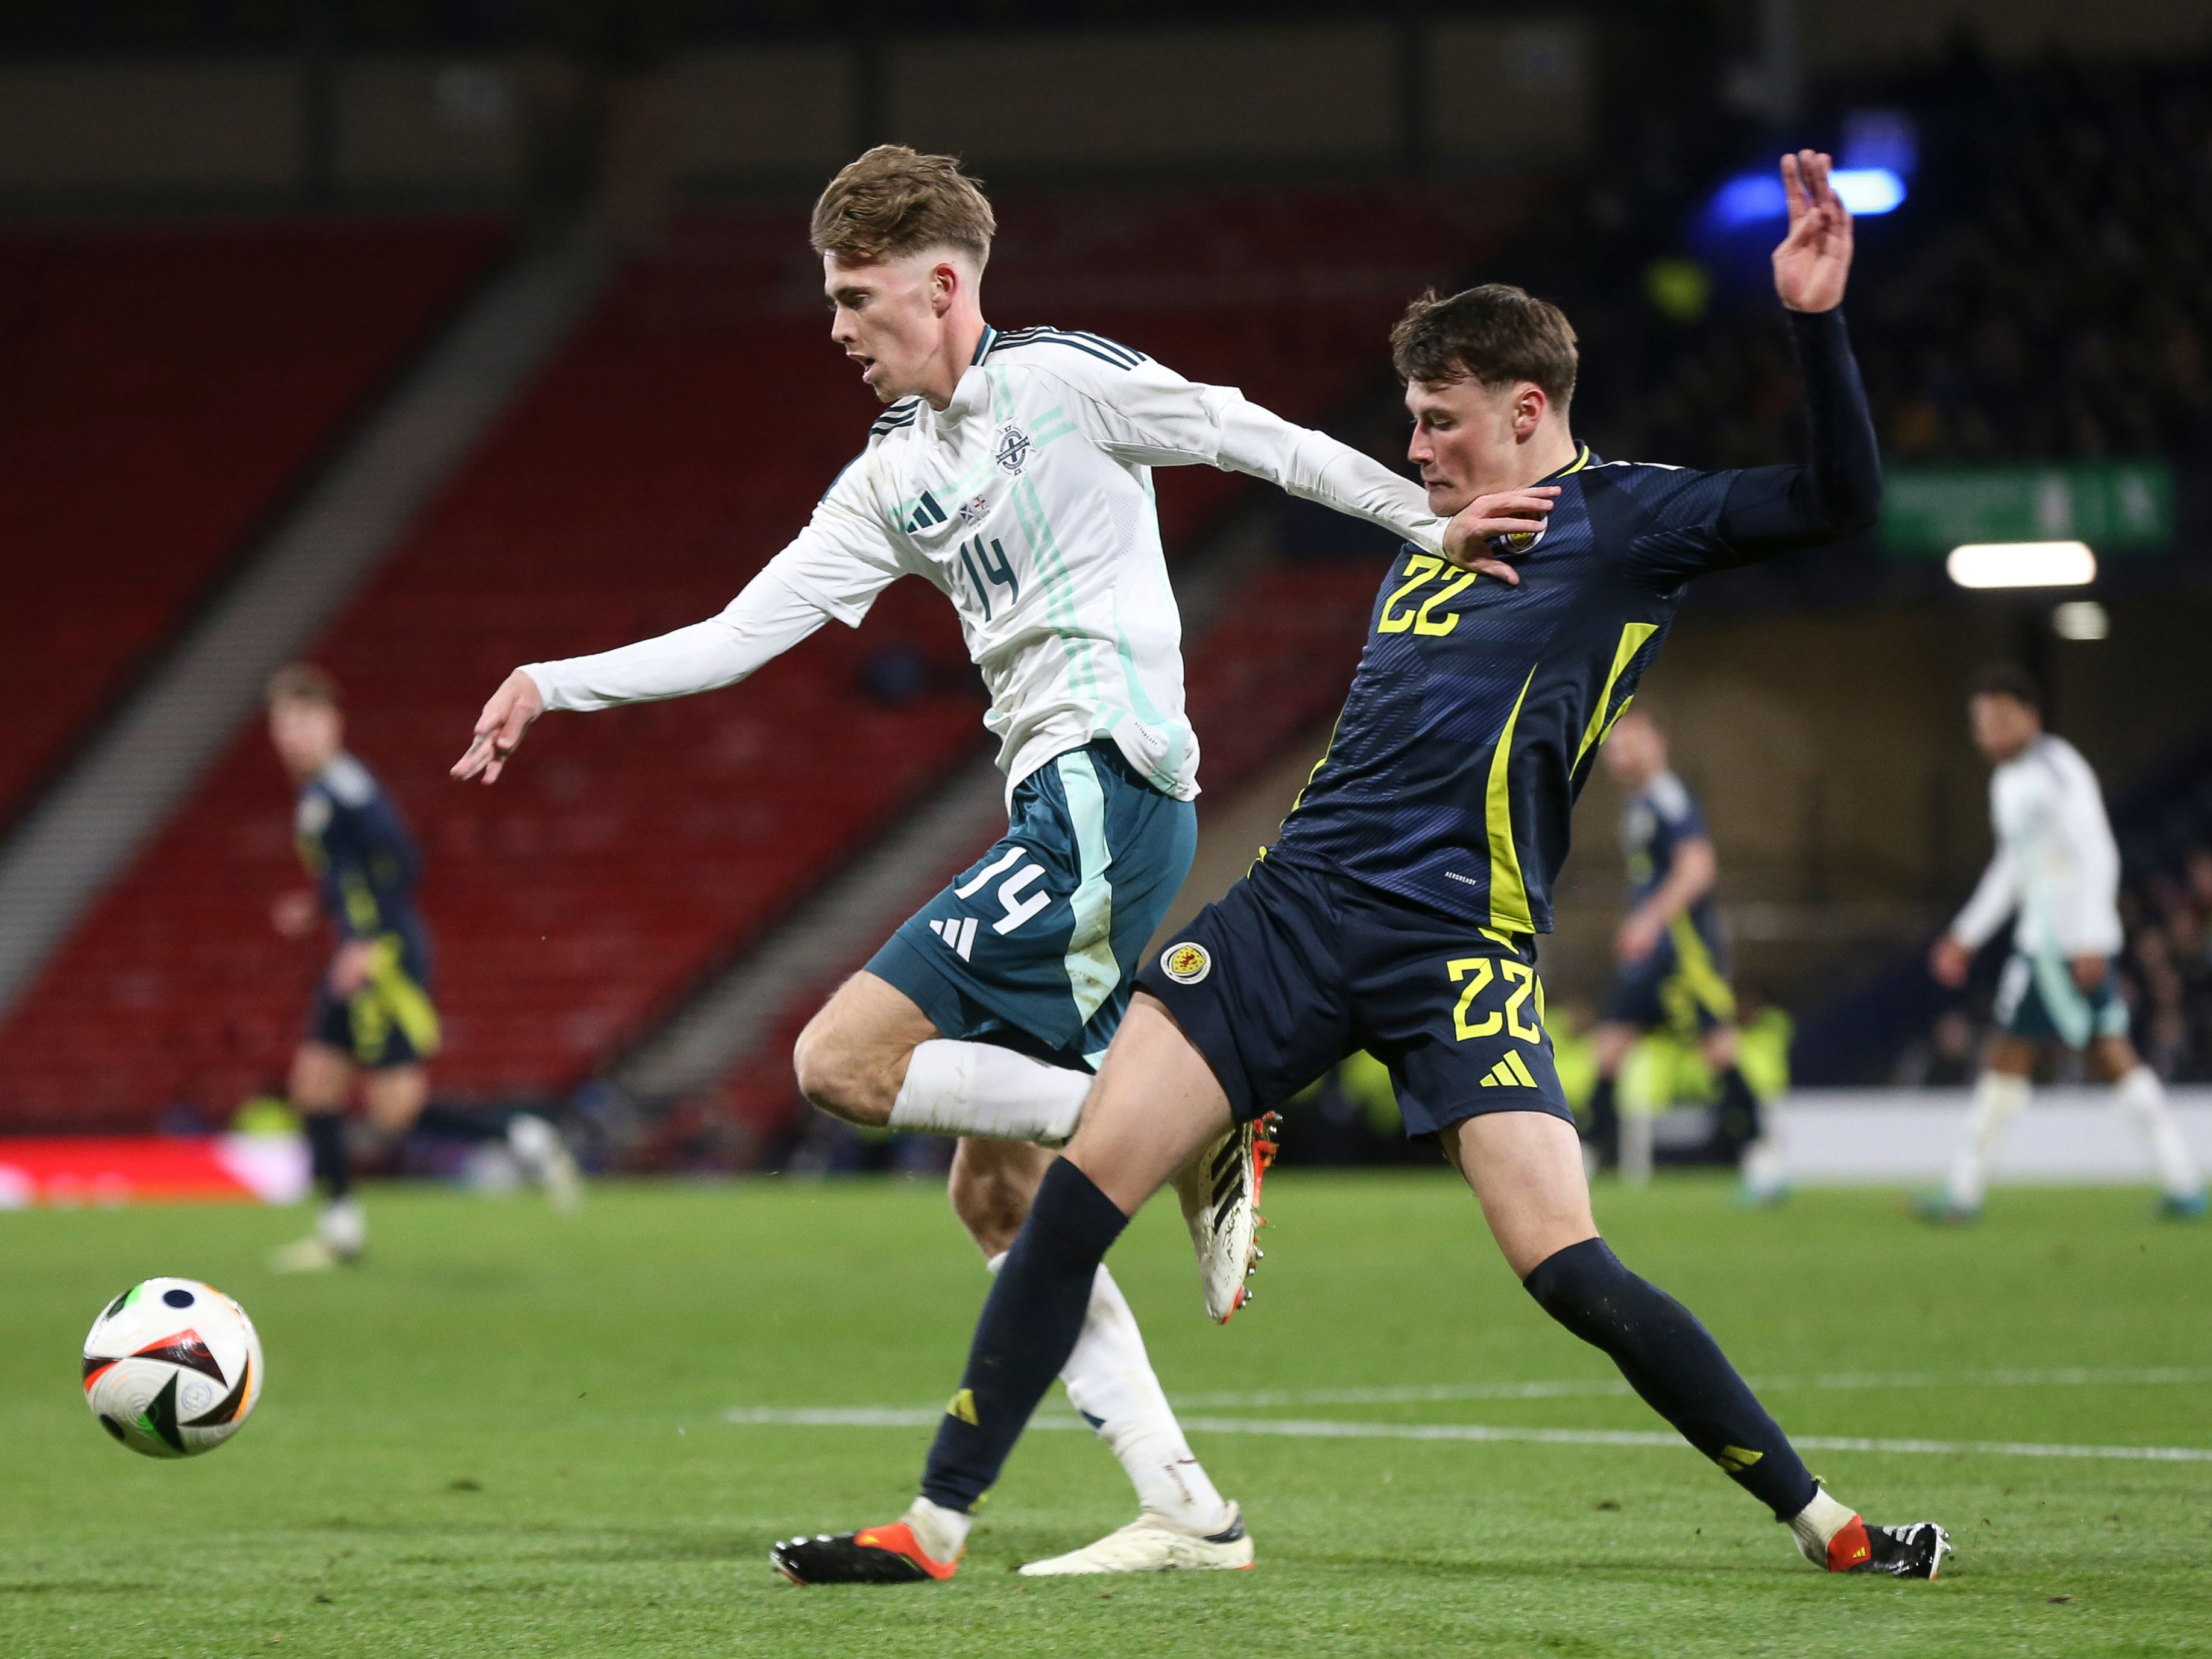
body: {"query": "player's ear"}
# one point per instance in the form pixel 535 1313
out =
pixel 1528 405
pixel 944 281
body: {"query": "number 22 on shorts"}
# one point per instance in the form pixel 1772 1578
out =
pixel 1479 973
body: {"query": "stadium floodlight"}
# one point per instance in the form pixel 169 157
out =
pixel 1751 198
pixel 2081 619
pixel 2022 564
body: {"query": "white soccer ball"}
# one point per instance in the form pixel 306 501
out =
pixel 172 1368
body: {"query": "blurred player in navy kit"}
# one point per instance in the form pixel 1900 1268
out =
pixel 1673 959
pixel 372 1014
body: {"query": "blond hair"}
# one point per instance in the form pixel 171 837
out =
pixel 894 201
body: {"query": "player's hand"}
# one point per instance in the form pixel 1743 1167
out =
pixel 294 914
pixel 499 729
pixel 1816 257
pixel 2089 972
pixel 1508 512
pixel 1948 962
pixel 1637 938
pixel 351 967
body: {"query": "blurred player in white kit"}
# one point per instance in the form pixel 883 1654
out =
pixel 2058 869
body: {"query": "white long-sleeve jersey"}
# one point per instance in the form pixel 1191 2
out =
pixel 1027 500
pixel 2057 864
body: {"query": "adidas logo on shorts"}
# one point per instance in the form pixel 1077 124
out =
pixel 1508 1072
pixel 958 931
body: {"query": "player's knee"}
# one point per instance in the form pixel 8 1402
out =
pixel 1585 1288
pixel 835 1077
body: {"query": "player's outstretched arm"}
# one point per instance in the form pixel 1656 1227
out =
pixel 1837 492
pixel 1152 415
pixel 834 568
pixel 771 615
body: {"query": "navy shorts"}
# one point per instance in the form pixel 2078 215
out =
pixel 1681 986
pixel 1033 945
pixel 390 1020
pixel 1296 968
pixel 2037 1000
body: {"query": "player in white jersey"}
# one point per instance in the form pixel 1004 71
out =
pixel 2057 870
pixel 1013 472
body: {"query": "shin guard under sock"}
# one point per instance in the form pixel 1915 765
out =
pixel 1029 1327
pixel 1671 1360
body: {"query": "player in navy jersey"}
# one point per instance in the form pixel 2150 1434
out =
pixel 1672 958
pixel 1397 912
pixel 372 1015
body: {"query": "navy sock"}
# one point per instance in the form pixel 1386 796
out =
pixel 1671 1360
pixel 327 1152
pixel 1738 1123
pixel 464 1122
pixel 1029 1327
pixel 1604 1131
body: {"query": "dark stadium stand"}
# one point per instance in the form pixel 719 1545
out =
pixel 673 448
pixel 164 391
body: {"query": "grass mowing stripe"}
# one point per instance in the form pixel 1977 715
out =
pixel 1418 1394
pixel 916 1417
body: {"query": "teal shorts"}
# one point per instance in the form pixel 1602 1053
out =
pixel 2037 1000
pixel 1033 945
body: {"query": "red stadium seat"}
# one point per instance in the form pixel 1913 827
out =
pixel 672 448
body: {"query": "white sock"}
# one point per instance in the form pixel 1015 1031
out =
pixel 1109 1380
pixel 1999 1098
pixel 942 1533
pixel 1818 1522
pixel 2143 1097
pixel 981 1089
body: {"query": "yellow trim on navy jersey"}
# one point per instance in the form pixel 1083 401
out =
pixel 1509 893
pixel 1578 464
pixel 1632 637
pixel 1700 975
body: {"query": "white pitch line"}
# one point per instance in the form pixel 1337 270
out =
pixel 1419 1394
pixel 909 1417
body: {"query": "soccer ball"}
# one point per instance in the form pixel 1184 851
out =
pixel 172 1368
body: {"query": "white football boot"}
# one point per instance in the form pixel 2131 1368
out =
pixel 341 1235
pixel 546 1160
pixel 1220 1190
pixel 1151 1543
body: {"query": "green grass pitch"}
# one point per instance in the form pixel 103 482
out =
pixel 509 1434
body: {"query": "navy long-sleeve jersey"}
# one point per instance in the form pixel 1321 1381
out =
pixel 1478 707
pixel 356 845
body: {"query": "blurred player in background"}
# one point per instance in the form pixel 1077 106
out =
pixel 1012 470
pixel 2058 869
pixel 1398 910
pixel 1673 959
pixel 372 1013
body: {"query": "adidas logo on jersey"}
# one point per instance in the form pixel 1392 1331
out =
pixel 927 514
pixel 1509 1072
pixel 958 931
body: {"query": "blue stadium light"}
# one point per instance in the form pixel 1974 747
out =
pixel 1867 192
pixel 1751 198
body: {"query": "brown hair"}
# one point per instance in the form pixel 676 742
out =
pixel 302 682
pixel 894 201
pixel 1495 335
